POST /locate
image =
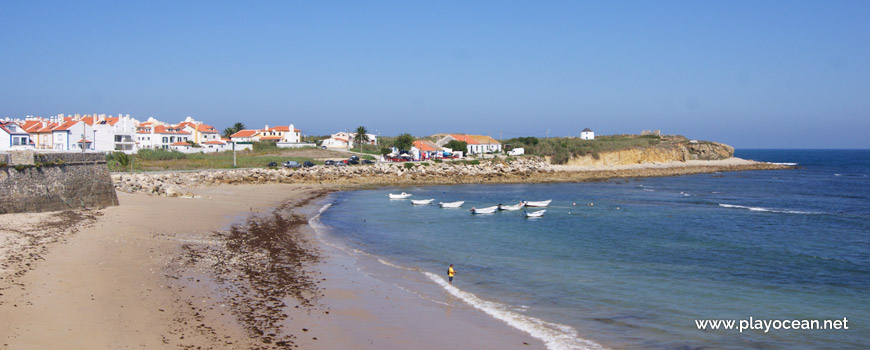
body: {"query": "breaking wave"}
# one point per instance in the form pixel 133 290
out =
pixel 767 210
pixel 556 336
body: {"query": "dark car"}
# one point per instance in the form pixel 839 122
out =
pixel 308 164
pixel 352 161
pixel 272 164
pixel 329 162
pixel 291 164
pixel 368 161
pixel 354 157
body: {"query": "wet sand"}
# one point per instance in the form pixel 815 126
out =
pixel 205 273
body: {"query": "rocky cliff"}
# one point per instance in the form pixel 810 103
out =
pixel 661 153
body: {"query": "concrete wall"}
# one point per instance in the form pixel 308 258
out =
pixel 56 181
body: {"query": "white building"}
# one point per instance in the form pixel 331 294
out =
pixel 476 144
pixel 248 135
pixel 69 134
pixel 13 137
pixel 160 136
pixel 587 134
pixel 343 139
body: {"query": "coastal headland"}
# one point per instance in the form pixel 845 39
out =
pixel 522 170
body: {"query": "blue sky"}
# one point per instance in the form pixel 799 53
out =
pixel 753 74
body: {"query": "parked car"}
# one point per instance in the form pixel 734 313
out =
pixel 291 164
pixel 352 161
pixel 341 163
pixel 354 157
pixel 329 162
pixel 308 164
pixel 322 147
pixel 368 161
pixel 272 164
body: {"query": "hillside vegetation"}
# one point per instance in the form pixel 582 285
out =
pixel 563 150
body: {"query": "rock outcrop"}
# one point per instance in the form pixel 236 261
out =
pixel 662 153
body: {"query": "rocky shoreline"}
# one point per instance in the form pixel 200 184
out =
pixel 523 170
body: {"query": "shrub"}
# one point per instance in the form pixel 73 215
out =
pixel 265 146
pixel 409 165
pixel 159 154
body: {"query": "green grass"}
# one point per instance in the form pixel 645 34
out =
pixel 368 149
pixel 151 160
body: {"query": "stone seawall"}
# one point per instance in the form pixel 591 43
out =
pixel 37 182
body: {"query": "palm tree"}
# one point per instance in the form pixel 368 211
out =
pixel 229 131
pixel 361 136
pixel 238 126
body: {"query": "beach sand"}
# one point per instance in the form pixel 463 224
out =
pixel 204 273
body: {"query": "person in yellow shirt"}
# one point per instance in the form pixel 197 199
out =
pixel 450 273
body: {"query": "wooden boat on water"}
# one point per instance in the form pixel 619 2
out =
pixel 538 203
pixel 511 207
pixel 422 201
pixel 402 195
pixel 487 210
pixel 452 204
pixel 534 214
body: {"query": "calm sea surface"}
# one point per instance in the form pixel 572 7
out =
pixel 651 256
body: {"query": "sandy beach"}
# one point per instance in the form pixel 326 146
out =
pixel 237 267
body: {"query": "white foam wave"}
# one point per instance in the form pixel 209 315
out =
pixel 649 190
pixel 791 164
pixel 554 335
pixel 760 209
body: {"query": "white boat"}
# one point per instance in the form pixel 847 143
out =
pixel 534 214
pixel 487 210
pixel 422 201
pixel 511 207
pixel 538 203
pixel 402 195
pixel 452 204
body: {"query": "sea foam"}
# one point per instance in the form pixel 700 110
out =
pixel 554 335
pixel 767 210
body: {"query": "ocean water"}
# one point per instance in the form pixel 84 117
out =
pixel 650 257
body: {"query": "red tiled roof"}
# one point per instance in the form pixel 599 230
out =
pixel 66 125
pixel 214 143
pixel 280 128
pixel 475 139
pixel 206 129
pixel 180 144
pixel 426 146
pixel 47 129
pixel 245 133
pixel 270 137
pixel 31 125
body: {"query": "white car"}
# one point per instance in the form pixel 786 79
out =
pixel 517 151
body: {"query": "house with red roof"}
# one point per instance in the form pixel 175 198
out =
pixel 160 136
pixel 13 137
pixel 248 135
pixel 66 134
pixel 343 139
pixel 477 144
